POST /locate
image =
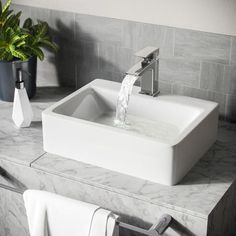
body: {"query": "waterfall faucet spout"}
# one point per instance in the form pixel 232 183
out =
pixel 147 70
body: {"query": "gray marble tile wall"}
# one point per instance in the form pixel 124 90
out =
pixel 192 63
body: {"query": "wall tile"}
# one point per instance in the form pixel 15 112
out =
pixel 202 94
pixel 51 72
pixel 63 21
pixel 139 35
pixel 219 98
pixel 42 14
pixel 212 76
pixel 84 75
pixel 99 29
pixel 58 69
pixel 92 47
pixel 25 11
pixel 86 55
pixel 65 64
pixel 231 108
pixel 62 30
pixel 178 70
pixel 46 74
pixel 165 88
pixel 230 80
pixel 233 51
pixel 201 45
pixel 179 89
pixel 115 58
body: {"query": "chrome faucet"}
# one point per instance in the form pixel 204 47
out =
pixel 147 70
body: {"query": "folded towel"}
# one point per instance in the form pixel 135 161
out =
pixel 54 215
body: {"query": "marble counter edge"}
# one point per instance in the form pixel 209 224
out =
pixel 35 165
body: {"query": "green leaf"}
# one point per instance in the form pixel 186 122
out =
pixel 49 44
pixel 4 55
pixel 3 17
pixel 28 23
pixel 19 54
pixel 6 6
pixel 12 21
pixel 14 39
pixel 3 44
pixel 37 52
pixel 9 34
pixel 42 29
pixel 21 43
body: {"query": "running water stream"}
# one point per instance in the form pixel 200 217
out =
pixel 157 129
pixel 123 99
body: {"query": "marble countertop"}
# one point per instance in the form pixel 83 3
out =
pixel 25 145
pixel 197 194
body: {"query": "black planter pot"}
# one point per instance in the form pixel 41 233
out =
pixel 8 75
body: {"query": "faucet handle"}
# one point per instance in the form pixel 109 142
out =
pixel 148 53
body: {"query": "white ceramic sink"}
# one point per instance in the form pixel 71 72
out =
pixel 171 135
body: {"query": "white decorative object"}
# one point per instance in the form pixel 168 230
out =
pixel 164 137
pixel 22 112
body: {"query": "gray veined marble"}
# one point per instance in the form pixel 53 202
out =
pixel 196 203
pixel 131 209
pixel 192 64
pixel 22 145
pixel 12 215
pixel 202 182
pixel 25 145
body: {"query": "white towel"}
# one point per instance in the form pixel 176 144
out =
pixel 54 215
pixel 104 223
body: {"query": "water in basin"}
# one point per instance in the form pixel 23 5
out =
pixel 156 129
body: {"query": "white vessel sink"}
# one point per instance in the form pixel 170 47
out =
pixel 170 135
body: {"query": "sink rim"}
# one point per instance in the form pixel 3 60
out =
pixel 210 107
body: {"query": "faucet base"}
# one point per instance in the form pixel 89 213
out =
pixel 150 94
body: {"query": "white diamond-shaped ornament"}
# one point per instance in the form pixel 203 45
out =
pixel 22 114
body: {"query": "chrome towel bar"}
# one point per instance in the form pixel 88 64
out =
pixel 157 229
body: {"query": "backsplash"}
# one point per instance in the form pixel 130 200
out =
pixel 192 63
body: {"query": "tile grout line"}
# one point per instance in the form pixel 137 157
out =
pixel 224 92
pixel 174 33
pixel 75 65
pixel 36 159
pixel 230 50
pixel 200 75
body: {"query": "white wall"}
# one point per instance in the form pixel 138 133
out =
pixel 217 16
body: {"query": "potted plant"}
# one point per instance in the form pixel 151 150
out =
pixel 20 46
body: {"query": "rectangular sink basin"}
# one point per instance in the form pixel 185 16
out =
pixel 165 137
